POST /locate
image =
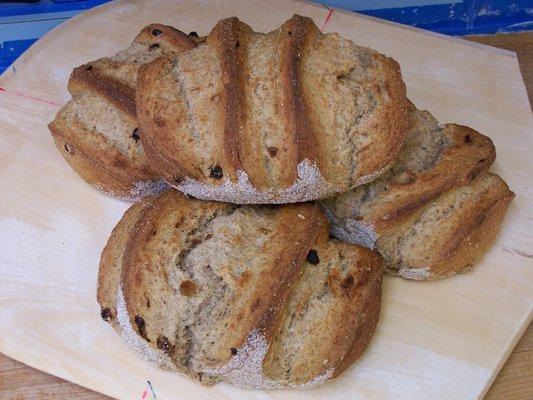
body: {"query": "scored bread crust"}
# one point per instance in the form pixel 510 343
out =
pixel 96 131
pixel 183 258
pixel 111 263
pixel 109 290
pixel 479 209
pixel 438 167
pixel 478 237
pixel 288 116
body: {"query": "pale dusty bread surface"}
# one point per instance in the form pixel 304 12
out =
pixel 97 132
pixel 288 116
pixel 439 166
pixel 214 289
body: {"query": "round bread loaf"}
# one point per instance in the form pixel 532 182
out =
pixel 258 296
pixel 288 116
pixel 97 132
pixel 436 211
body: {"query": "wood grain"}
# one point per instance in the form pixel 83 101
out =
pixel 20 382
pixel 522 44
pixel 53 226
pixel 515 380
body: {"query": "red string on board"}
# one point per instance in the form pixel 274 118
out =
pixel 328 17
pixel 51 103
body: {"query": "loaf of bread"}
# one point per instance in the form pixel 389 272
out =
pixel 288 116
pixel 436 211
pixel 97 130
pixel 258 296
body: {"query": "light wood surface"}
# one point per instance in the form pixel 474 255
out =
pixel 20 382
pixel 522 44
pixel 445 339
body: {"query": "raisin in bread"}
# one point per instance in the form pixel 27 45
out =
pixel 97 131
pixel 258 296
pixel 288 116
pixel 436 211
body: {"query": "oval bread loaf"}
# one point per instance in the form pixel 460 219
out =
pixel 436 211
pixel 258 296
pixel 288 116
pixel 97 131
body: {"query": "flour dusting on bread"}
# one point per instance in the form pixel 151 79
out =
pixel 310 185
pixel 352 231
pixel 147 188
pixel 132 338
pixel 245 369
pixel 417 274
pixel 140 190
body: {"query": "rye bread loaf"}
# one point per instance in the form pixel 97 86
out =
pixel 436 211
pixel 258 296
pixel 97 132
pixel 288 116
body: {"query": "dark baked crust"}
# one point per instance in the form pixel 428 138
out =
pixel 369 310
pixel 295 34
pixel 475 225
pixel 422 214
pixel 111 259
pixel 191 128
pixel 462 161
pixel 227 37
pixel 98 158
pixel 156 236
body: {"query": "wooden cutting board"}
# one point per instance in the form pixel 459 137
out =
pixel 438 340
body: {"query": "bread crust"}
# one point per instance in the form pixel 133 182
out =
pixel 110 267
pixel 369 312
pixel 339 335
pixel 296 34
pixel 168 167
pixel 471 239
pixel 113 162
pixel 172 105
pixel 169 228
pixel 226 38
pixel 90 154
pixel 459 164
pixel 392 123
pixel 83 79
pixel 476 242
pixel 452 159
